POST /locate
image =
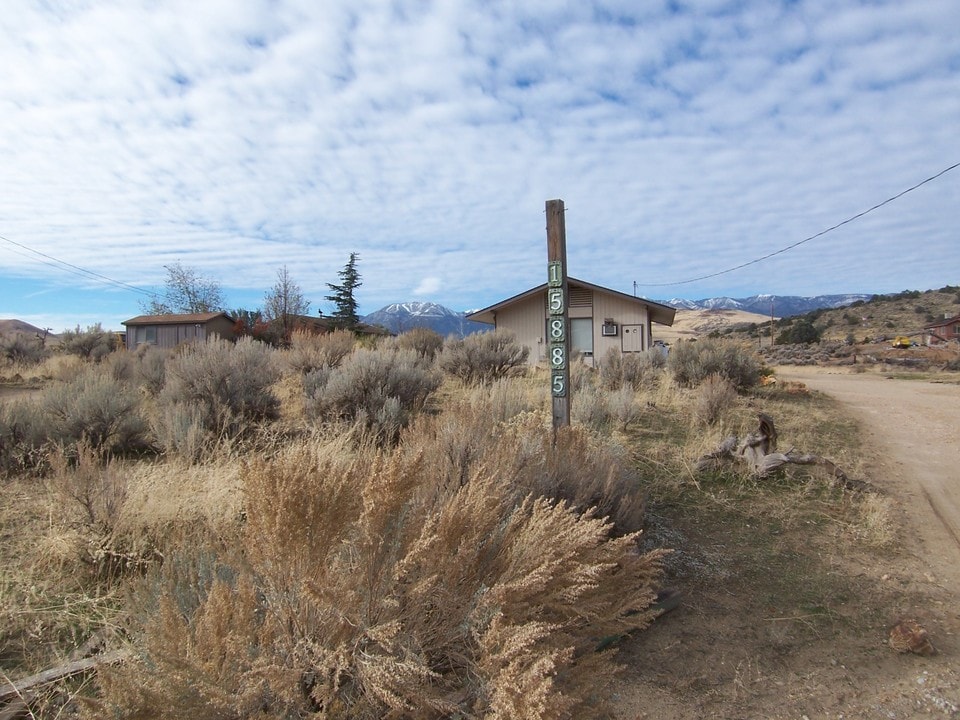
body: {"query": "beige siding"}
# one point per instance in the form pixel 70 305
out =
pixel 527 320
pixel 622 312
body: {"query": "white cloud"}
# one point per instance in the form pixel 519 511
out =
pixel 428 286
pixel 237 138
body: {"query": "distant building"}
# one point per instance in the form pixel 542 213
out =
pixel 169 331
pixel 600 319
pixel 946 330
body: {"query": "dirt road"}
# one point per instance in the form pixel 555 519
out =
pixel 914 428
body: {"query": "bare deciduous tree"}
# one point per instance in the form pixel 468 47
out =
pixel 186 291
pixel 283 303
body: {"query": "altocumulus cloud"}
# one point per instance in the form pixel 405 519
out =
pixel 685 137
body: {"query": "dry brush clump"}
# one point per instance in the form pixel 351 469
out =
pixel 89 408
pixel 484 357
pixel 715 396
pixel 425 342
pixel 691 363
pixel 216 390
pixel 310 351
pixel 634 370
pixel 365 586
pixel 573 465
pixel 380 389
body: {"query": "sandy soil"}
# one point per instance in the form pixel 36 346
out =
pixel 727 653
pixel 692 324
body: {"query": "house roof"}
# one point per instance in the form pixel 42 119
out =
pixel 662 314
pixel 191 318
pixel 943 323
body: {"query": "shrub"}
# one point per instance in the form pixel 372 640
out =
pixel 484 357
pixel 635 370
pixel 96 410
pixel 227 385
pixel 691 363
pixel 309 351
pixel 363 590
pixel 573 465
pixel 715 395
pixel 380 389
pixel 603 410
pixel 22 435
pixel 94 343
pixel 802 332
pixel 151 368
pixel 424 341
pixel 23 349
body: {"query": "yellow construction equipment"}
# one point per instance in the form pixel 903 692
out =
pixel 901 342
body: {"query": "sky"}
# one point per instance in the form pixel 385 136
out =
pixel 236 137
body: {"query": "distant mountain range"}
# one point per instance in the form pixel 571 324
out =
pixel 401 317
pixel 781 305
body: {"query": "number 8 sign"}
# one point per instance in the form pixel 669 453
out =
pixel 558 357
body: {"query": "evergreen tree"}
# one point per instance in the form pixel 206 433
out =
pixel 345 315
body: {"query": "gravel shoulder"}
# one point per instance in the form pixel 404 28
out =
pixel 727 653
pixel 914 428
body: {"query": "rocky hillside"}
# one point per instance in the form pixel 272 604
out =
pixel 878 319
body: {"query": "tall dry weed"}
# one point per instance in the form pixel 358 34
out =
pixel 365 587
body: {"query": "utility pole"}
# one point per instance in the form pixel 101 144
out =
pixel 558 322
pixel 771 323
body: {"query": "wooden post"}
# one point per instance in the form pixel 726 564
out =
pixel 558 321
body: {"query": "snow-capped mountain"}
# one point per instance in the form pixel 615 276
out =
pixel 399 317
pixel 782 305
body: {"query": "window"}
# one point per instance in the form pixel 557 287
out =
pixel 581 336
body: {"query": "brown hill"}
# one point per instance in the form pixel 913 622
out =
pixel 692 324
pixel 12 327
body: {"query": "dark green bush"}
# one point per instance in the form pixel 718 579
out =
pixel 484 357
pixel 802 332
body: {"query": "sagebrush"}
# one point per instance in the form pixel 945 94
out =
pixel 366 587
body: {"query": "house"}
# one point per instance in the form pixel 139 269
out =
pixel 944 331
pixel 600 319
pixel 168 331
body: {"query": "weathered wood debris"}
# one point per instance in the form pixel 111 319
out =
pixel 759 451
pixel 15 697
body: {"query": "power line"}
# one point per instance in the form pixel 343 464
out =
pixel 812 237
pixel 81 272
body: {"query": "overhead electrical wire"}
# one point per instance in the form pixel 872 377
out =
pixel 807 239
pixel 79 271
pixel 83 272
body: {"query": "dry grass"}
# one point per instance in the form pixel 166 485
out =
pixel 322 575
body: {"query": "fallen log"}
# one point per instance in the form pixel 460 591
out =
pixel 21 692
pixel 758 451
